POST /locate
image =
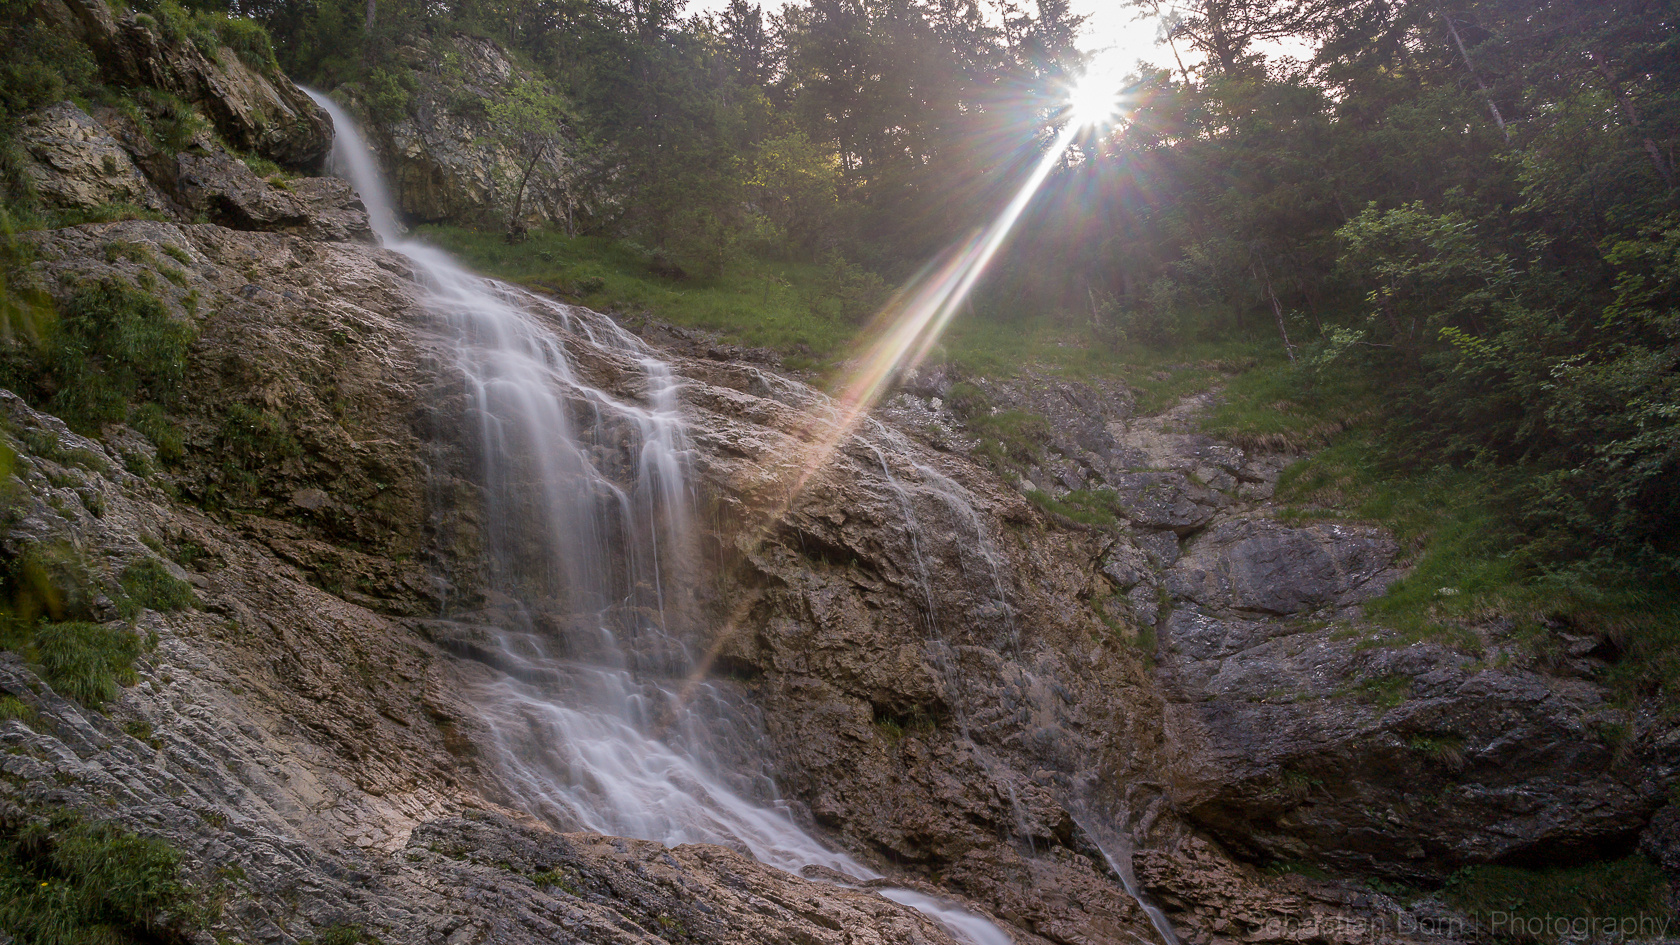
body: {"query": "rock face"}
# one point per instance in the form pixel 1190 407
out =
pixel 75 163
pixel 938 696
pixel 256 110
pixel 223 189
pixel 78 163
pixel 445 160
pixel 1295 730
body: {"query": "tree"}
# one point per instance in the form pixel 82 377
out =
pixel 535 120
pixel 795 184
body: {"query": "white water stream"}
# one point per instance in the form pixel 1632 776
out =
pixel 587 506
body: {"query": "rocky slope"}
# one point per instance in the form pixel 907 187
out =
pixel 973 696
pixel 446 160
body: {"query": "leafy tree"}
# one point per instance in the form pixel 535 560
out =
pixel 535 119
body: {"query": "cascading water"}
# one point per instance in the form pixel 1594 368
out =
pixel 587 507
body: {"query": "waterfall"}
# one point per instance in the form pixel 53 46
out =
pixel 597 722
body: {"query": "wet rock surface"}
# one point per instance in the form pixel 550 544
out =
pixel 1297 730
pixel 932 679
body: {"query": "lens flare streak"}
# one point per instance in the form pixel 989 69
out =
pixel 918 314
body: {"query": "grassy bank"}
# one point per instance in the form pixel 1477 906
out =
pixel 796 309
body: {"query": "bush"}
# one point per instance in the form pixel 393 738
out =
pixel 68 882
pixel 42 65
pixel 111 347
pixel 1631 888
pixel 246 38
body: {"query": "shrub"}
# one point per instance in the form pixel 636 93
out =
pixel 114 346
pixel 42 65
pixel 1631 888
pixel 68 882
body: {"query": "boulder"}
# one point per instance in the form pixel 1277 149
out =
pixel 1258 565
pixel 223 189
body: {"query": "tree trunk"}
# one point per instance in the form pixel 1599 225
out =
pixel 1452 31
pixel 1265 279
pixel 1626 101
pixel 516 226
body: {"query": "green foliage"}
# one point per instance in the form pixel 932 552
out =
pixel 66 881
pixel 111 347
pixel 1282 407
pixel 1633 888
pixel 44 64
pixel 247 38
pixel 346 934
pixel 49 597
pixel 149 584
pixel 26 310
pixel 51 580
pixel 11 707
pixel 250 442
pixel 795 185
pixel 560 878
pixel 845 291
pixel 759 302
pixel 388 93
pixel 87 662
pixel 1098 507
pixel 1010 439
pixel 154 424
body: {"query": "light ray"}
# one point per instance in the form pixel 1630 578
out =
pixel 909 325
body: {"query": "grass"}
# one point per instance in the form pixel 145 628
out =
pixel 11 707
pixel 1469 566
pixel 989 344
pixel 346 934
pixel 66 881
pixel 807 312
pixel 1563 899
pixel 147 584
pixel 1448 519
pixel 756 302
pixel 87 662
pixel 111 353
pixel 1099 508
pixel 49 590
pixel 1276 406
pixel 559 878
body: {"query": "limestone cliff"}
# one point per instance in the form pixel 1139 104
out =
pixel 447 161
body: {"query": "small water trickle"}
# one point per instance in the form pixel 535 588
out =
pixel 1117 852
pixel 599 720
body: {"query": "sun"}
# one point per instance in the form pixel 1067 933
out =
pixel 1094 100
